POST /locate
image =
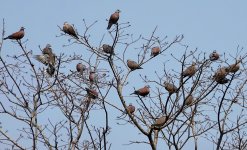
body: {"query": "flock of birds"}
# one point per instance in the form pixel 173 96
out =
pixel 48 58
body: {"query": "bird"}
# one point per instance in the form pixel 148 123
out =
pixel 214 56
pixel 222 81
pixel 160 121
pixel 171 88
pixel 92 77
pixel 189 100
pixel 113 19
pixel 17 35
pixel 47 56
pixel 155 51
pixel 133 65
pixel 220 74
pixel 47 49
pixel 142 91
pixel 107 49
pixel 131 108
pixel 92 93
pixel 67 28
pixel 80 67
pixel 234 67
pixel 50 69
pixel 190 71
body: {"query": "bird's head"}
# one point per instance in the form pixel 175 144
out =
pixel 48 46
pixel 117 11
pixel 22 28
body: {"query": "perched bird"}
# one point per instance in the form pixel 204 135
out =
pixel 80 67
pixel 234 67
pixel 155 51
pixel 17 35
pixel 222 81
pixel 67 28
pixel 107 49
pixel 190 71
pixel 171 88
pixel 160 121
pixel 142 91
pixel 220 74
pixel 189 100
pixel 113 19
pixel 47 49
pixel 133 65
pixel 92 77
pixel 50 69
pixel 92 93
pixel 214 56
pixel 131 108
pixel 47 57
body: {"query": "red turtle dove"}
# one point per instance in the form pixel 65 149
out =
pixel 131 108
pixel 113 19
pixel 48 57
pixel 155 51
pixel 80 67
pixel 92 77
pixel 17 35
pixel 142 91
pixel 234 67
pixel 67 28
pixel 190 71
pixel 92 93
pixel 214 56
pixel 133 65
pixel 220 74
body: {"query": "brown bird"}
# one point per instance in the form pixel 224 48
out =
pixel 80 67
pixel 142 91
pixel 222 81
pixel 50 69
pixel 17 35
pixel 133 65
pixel 155 51
pixel 92 77
pixel 234 67
pixel 189 100
pixel 47 49
pixel 107 49
pixel 47 57
pixel 214 56
pixel 160 121
pixel 113 19
pixel 171 88
pixel 190 71
pixel 92 93
pixel 220 74
pixel 131 108
pixel 67 28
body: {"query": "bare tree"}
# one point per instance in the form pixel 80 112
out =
pixel 201 99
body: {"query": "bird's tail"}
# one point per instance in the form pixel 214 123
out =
pixel 109 26
pixel 5 38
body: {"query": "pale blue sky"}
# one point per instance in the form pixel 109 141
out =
pixel 206 25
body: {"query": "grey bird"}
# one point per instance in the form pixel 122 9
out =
pixel 171 88
pixel 160 121
pixel 47 57
pixel 108 49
